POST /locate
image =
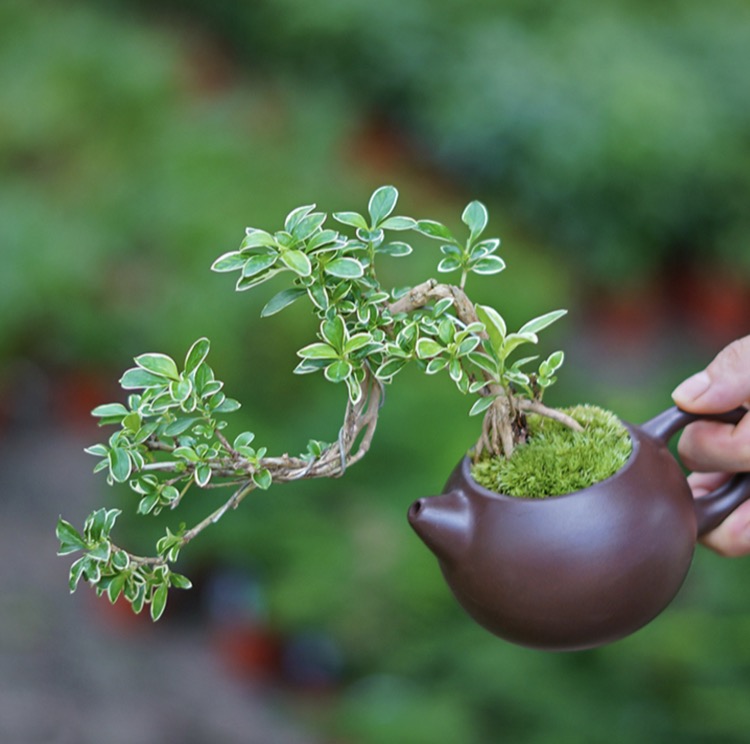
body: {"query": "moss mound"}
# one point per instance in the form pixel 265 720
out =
pixel 557 460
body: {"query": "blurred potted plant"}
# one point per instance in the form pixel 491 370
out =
pixel 170 435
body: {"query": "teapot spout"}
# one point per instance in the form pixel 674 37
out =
pixel 444 523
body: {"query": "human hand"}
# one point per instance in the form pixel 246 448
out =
pixel 715 450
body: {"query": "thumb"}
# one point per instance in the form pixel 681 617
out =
pixel 722 386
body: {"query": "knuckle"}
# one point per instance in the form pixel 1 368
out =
pixel 735 356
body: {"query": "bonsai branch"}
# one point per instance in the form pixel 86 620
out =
pixel 536 406
pixel 430 291
pixel 354 440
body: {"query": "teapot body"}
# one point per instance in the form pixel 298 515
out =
pixel 568 572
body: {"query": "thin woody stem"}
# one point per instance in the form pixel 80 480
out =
pixel 431 291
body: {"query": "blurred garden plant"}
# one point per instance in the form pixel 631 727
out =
pixel 170 434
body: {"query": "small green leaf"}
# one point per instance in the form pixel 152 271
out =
pixel 353 219
pixel 382 203
pixel 178 426
pixel 454 370
pixel 370 236
pixel 315 448
pixel 538 324
pixel 70 539
pixel 159 601
pixel 76 572
pixel 433 229
pixel 243 440
pixel 345 268
pixel 475 217
pixel 318 351
pixel 202 475
pixel 494 324
pixel 488 265
pixel 308 366
pixel 231 261
pixel 262 478
pixel 514 340
pixel 257 263
pixel 178 581
pixel 448 264
pixel 98 450
pixel 446 331
pixel 334 332
pixel 180 390
pixel 308 225
pixel 319 296
pixel 521 362
pixel 137 378
pixel 256 239
pixel 101 551
pixel 297 261
pixel 357 342
pixel 481 405
pixel 160 365
pixel 281 300
pixel 186 453
pixel 248 282
pixel 485 247
pixel 197 354
pixel 396 249
pixel 147 503
pixel 132 422
pixel 354 389
pixel 321 239
pixel 228 405
pixel 296 215
pixel 338 371
pixel 427 347
pixel 120 465
pixel 390 368
pixel 467 345
pixel 451 250
pixel 436 365
pixel 555 361
pixel 110 410
pixel 139 599
pixel 116 585
pixel 398 223
pixel 441 306
pixel 519 378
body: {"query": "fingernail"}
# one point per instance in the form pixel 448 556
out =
pixel 692 388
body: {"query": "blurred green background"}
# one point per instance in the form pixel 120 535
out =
pixel 138 140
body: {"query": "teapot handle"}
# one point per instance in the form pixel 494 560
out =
pixel 713 508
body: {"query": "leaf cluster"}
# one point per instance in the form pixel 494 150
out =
pixel 112 571
pixel 358 332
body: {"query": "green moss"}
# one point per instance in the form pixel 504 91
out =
pixel 558 460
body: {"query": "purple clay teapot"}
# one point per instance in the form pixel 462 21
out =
pixel 583 569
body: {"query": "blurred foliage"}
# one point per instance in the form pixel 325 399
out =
pixel 134 152
pixel 616 131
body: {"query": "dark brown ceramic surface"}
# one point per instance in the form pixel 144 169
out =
pixel 580 570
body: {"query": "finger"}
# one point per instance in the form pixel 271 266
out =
pixel 722 386
pixel 703 483
pixel 710 446
pixel 732 537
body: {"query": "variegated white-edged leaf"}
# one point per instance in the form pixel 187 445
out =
pixel 538 324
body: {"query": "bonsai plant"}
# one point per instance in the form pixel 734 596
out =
pixel 171 433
